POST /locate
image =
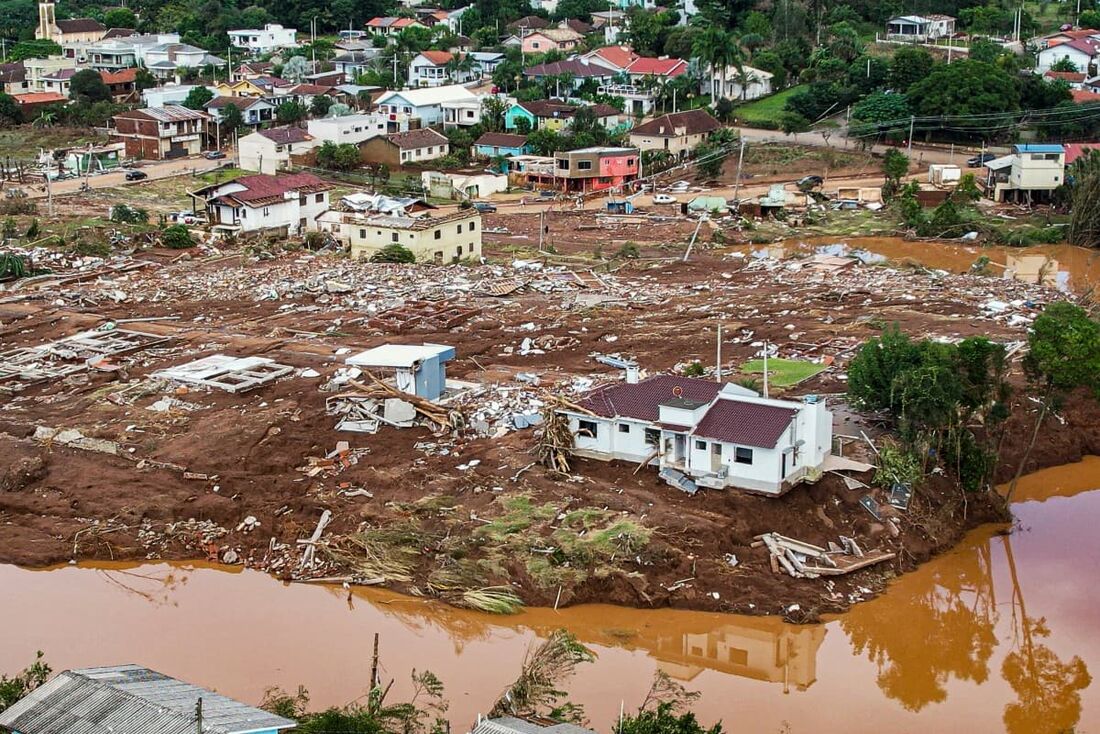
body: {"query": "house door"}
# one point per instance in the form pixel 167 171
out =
pixel 678 448
pixel 716 457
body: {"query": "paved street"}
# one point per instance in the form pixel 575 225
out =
pixel 153 169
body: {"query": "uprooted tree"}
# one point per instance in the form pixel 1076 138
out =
pixel 536 691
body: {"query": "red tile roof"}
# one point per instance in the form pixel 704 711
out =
pixel 1084 45
pixel 439 58
pixel 657 67
pixel 744 423
pixel 1069 76
pixel 641 400
pixel 1081 96
pixel 262 186
pixel 1076 150
pixel 39 98
pixel 620 56
pixel 125 76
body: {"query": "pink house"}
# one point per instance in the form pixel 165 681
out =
pixel 596 169
pixel 551 39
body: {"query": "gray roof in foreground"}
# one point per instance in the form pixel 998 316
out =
pixel 513 725
pixel 130 699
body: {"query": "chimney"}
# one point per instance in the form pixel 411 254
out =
pixel 632 373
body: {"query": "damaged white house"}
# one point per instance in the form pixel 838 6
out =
pixel 716 435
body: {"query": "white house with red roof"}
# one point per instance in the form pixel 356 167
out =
pixel 1081 52
pixel 430 69
pixel 663 68
pixel 717 435
pixel 289 203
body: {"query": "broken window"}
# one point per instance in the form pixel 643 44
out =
pixel 652 436
pixel 588 428
pixel 743 455
pixel 624 428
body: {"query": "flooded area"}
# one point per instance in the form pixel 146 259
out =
pixel 1069 268
pixel 999 634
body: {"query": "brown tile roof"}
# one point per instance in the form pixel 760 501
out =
pixel 262 189
pixel 530 21
pixel 414 139
pixel 439 58
pixel 574 67
pixel 578 25
pixel 12 73
pixel 744 423
pixel 692 122
pixel 502 140
pixel 124 76
pixel 1069 76
pixel 80 25
pixel 620 56
pixel 641 400
pixel 119 33
pixel 39 98
pixel 286 135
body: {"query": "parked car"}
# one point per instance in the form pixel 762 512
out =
pixel 213 155
pixel 980 160
pixel 484 207
pixel 136 175
pixel 809 182
pixel 664 199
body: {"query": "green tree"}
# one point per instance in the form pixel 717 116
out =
pixel 545 141
pixel 14 688
pixel 295 68
pixel 1089 19
pixel 144 79
pixel 793 123
pixel 492 114
pixel 198 98
pixel 1063 354
pixel 320 105
pixel 88 87
pixel 664 720
pixel 393 253
pixel 120 18
pixel 909 65
pixel 877 108
pixel 231 119
pixel 877 366
pixel 10 114
pixel 290 112
pixel 716 49
pixel 36 49
pixel 1064 64
pixel 338 156
pixel 177 237
pixel 894 166
pixel 964 88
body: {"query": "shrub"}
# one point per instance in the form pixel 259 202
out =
pixel 393 254
pixel 177 237
pixel 128 215
pixel 92 249
pixel 695 369
pixel 628 251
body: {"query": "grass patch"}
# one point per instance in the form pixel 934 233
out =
pixel 390 552
pixel 783 372
pixel 23 142
pixel 222 174
pixel 768 110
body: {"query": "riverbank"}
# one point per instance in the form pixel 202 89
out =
pixel 241 478
pixel 929 654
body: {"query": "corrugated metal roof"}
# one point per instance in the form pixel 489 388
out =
pixel 130 699
pixel 1039 148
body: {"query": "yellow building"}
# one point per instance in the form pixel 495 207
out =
pixel 73 31
pixel 445 238
pixel 242 88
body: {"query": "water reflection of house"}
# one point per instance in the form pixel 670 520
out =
pixel 760 649
pixel 1038 269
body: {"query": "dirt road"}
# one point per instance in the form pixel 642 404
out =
pixel 154 170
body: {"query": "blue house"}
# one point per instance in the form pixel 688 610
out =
pixel 130 699
pixel 501 145
pixel 420 368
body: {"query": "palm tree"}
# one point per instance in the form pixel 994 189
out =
pixel 46 119
pixel 459 66
pixel 716 48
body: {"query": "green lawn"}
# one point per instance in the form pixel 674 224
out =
pixel 783 372
pixel 768 109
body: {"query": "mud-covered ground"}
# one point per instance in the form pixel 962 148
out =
pixel 185 479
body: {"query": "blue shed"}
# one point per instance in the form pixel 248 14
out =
pixel 420 368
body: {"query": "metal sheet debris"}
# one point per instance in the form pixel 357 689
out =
pixel 232 374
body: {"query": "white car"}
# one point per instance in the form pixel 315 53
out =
pixel 663 199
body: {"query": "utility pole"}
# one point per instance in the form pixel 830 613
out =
pixel 909 149
pixel 765 369
pixel 198 716
pixel 374 664
pixel 49 191
pixel 542 227
pixel 737 181
pixel 718 363
pixel 395 67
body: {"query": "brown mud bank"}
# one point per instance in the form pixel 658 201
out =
pixel 59 504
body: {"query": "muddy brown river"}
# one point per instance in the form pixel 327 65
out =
pixel 998 635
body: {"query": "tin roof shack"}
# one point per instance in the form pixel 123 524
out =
pixel 420 369
pixel 531 725
pixel 130 699
pixel 595 169
pixel 715 435
pixel 1028 175
pixel 159 133
pixel 448 238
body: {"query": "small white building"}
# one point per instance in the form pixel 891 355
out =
pixel 741 84
pixel 268 151
pixel 431 69
pixel 288 203
pixel 717 435
pixel 268 39
pixel 424 104
pixel 920 28
pixel 1081 52
pixel 348 128
pixel 168 94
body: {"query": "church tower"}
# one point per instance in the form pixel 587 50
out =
pixel 47 19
